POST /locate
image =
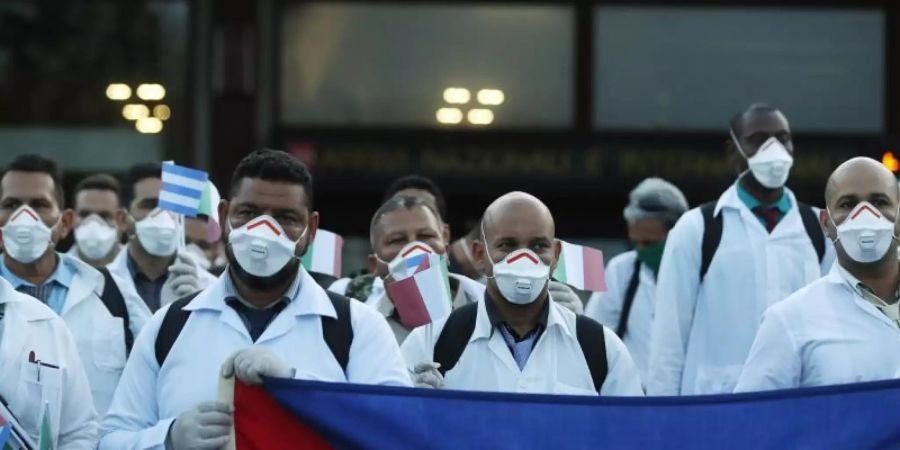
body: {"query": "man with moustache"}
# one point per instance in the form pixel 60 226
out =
pixel 265 314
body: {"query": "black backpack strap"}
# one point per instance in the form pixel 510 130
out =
pixel 813 228
pixel 622 327
pixel 114 301
pixel 712 235
pixel 174 320
pixel 338 333
pixel 455 336
pixel 592 340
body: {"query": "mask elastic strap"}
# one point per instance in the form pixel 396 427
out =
pixel 486 250
pixel 737 143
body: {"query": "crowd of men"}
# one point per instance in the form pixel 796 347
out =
pixel 122 340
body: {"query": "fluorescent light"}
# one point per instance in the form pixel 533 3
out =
pixel 449 116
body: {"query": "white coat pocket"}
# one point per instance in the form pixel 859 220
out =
pixel 108 345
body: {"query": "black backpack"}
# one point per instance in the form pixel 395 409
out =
pixel 337 332
pixel 114 301
pixel 461 324
pixel 622 326
pixel 712 233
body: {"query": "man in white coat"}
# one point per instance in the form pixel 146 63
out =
pixel 845 327
pixel 264 316
pixel 150 265
pixel 726 262
pixel 98 220
pixel 39 363
pixel 518 339
pixel 627 306
pixel 33 221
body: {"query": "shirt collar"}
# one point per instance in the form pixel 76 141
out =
pixel 62 275
pixel 494 316
pixel 862 289
pixel 783 204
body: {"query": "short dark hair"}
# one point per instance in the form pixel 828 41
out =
pixel 135 174
pixel 400 202
pixel 756 108
pixel 100 182
pixel 273 165
pixel 418 182
pixel 40 164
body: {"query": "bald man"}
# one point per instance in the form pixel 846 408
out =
pixel 518 339
pixel 842 328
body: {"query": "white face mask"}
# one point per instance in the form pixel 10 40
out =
pixel 199 255
pixel 866 234
pixel 261 246
pixel 158 233
pixel 521 276
pixel 25 237
pixel 95 237
pixel 410 257
pixel 771 164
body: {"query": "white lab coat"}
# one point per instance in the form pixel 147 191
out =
pixel 30 326
pixel 702 333
pixel 606 307
pixel 119 268
pixel 556 364
pixel 99 335
pixel 825 333
pixel 150 397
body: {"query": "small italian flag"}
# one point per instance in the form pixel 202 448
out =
pixel 581 267
pixel 324 255
pixel 424 296
pixel 209 206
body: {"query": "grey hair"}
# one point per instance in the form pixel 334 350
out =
pixel 655 198
pixel 400 202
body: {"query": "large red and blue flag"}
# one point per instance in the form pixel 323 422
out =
pixel 314 415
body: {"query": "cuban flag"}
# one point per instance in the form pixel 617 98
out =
pixel 182 189
pixel 421 288
pixel 5 432
pixel 300 414
pixel 581 267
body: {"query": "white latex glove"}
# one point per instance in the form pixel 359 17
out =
pixel 205 427
pixel 252 363
pixel 426 375
pixel 565 296
pixel 183 280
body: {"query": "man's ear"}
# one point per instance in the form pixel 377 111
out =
pixel 478 250
pixel 825 223
pixel 121 219
pixel 446 235
pixel 65 223
pixel 313 226
pixel 557 250
pixel 372 262
pixel 223 213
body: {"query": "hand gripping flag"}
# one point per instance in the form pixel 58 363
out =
pixel 324 255
pixel 300 414
pixel 581 267
pixel 421 287
pixel 182 189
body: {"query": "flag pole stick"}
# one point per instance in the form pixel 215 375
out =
pixel 226 396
